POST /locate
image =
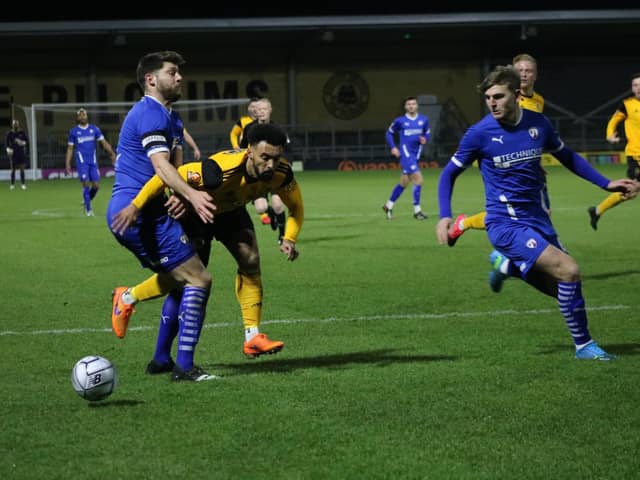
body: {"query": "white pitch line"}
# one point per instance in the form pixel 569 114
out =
pixel 324 320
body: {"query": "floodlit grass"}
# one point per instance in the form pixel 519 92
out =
pixel 399 361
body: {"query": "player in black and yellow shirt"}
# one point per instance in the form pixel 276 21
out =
pixel 628 112
pixel 233 178
pixel 237 131
pixel 273 214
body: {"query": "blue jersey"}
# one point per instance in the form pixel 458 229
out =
pixel 509 160
pixel 409 130
pixel 84 141
pixel 156 239
pixel 148 128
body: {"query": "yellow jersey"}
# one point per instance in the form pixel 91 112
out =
pixel 629 112
pixel 224 176
pixel 237 131
pixel 534 103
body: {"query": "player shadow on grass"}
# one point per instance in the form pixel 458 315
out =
pixel 606 275
pixel 620 349
pixel 328 238
pixel 380 358
pixel 115 403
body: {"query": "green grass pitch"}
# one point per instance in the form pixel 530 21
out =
pixel 399 362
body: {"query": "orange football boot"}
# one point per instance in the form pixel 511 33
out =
pixel 260 344
pixel 121 312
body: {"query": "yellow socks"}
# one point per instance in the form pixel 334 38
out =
pixel 249 295
pixel 611 201
pixel 475 222
pixel 152 287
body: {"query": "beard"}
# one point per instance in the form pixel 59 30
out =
pixel 266 176
pixel 172 95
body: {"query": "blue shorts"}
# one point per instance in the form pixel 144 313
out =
pixel 157 240
pixel 522 244
pixel 409 165
pixel 88 172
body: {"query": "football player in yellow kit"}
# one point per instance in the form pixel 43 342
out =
pixel 628 112
pixel 233 178
pixel 237 131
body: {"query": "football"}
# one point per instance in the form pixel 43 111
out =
pixel 94 378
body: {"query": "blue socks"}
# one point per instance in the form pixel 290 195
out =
pixel 191 314
pixel 571 305
pixel 86 197
pixel 417 190
pixel 396 192
pixel 168 327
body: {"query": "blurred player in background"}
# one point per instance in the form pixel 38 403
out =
pixel 188 139
pixel 16 143
pixel 412 130
pixel 628 112
pixel 235 136
pixel 83 139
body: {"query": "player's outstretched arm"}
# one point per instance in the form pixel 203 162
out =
pixel 289 249
pixel 201 201
pixel 629 188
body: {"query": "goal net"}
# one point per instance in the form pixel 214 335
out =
pixel 48 125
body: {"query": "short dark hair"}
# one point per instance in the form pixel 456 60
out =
pixel 266 132
pixel 634 76
pixel 154 61
pixel 501 75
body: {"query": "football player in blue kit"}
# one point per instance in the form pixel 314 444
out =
pixel 151 135
pixel 508 144
pixel 83 140
pixel 413 132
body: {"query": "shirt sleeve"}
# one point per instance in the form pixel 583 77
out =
pixel 292 198
pixel 154 187
pixel 618 116
pixel 390 135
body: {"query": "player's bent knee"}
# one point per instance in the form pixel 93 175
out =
pixel 570 272
pixel 250 263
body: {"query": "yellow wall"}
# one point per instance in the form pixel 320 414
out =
pixel 387 88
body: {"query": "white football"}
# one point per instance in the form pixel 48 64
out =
pixel 94 378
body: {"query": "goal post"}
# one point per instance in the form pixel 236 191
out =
pixel 208 122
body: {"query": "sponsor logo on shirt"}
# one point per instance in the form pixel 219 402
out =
pixel 513 158
pixel 193 178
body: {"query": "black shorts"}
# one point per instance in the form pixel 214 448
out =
pixel 18 160
pixel 224 227
pixel 633 168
